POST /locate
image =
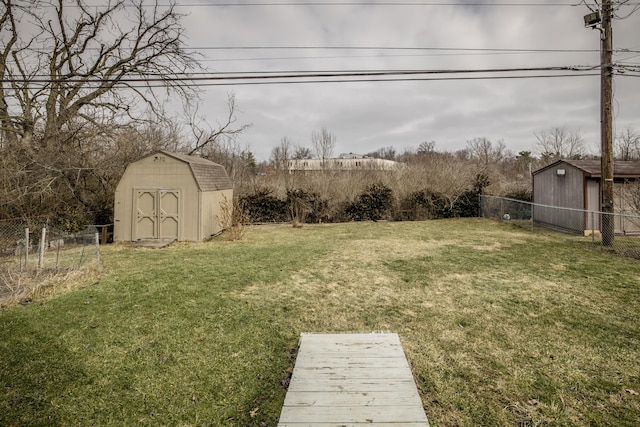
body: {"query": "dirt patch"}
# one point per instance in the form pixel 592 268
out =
pixel 153 244
pixel 492 247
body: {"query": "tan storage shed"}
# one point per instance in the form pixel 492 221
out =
pixel 170 196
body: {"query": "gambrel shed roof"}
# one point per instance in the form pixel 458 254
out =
pixel 209 176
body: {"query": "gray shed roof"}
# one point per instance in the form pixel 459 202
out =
pixel 591 168
pixel 208 175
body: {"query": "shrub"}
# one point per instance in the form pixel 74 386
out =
pixel 467 205
pixel 421 205
pixel 523 194
pixel 307 206
pixel 372 204
pixel 70 219
pixel 262 206
pixel 299 204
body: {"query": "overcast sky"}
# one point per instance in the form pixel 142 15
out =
pixel 420 35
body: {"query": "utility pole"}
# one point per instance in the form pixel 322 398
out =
pixel 606 123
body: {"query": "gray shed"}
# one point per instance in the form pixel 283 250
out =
pixel 575 184
pixel 170 196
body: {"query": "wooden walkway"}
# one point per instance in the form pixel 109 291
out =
pixel 352 380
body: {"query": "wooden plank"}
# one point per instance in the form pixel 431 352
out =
pixel 375 347
pixel 356 424
pixel 312 361
pixel 351 398
pixel 346 372
pixel 352 379
pixel 353 414
pixel 355 385
pixel 372 339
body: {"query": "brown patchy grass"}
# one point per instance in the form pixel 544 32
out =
pixel 492 327
pixel 501 326
pixel 64 269
pixel 25 287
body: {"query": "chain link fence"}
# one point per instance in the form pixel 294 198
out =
pixel 584 224
pixel 31 253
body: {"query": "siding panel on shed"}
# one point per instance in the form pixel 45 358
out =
pixel 566 191
pixel 593 204
pixel 211 211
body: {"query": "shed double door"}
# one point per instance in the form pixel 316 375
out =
pixel 157 214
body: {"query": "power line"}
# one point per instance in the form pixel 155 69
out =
pixel 361 3
pixel 592 6
pixel 636 6
pixel 394 4
pixel 392 48
pixel 243 79
pixel 448 51
pixel 434 51
pixel 246 75
pixel 416 79
pixel 353 80
pixel 302 58
pixel 293 58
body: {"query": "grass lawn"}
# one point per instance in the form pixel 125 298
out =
pixel 501 326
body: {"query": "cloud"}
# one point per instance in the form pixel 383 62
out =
pixel 366 116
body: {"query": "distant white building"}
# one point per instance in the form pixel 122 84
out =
pixel 345 162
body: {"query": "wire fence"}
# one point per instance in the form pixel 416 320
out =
pixel 29 252
pixel 586 224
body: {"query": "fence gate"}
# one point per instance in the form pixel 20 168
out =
pixel 157 214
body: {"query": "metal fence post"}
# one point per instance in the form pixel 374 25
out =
pixel 26 247
pixel 530 214
pixel 57 253
pixel 42 243
pixel 97 240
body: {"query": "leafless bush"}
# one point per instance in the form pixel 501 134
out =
pixel 299 207
pixel 23 287
pixel 233 219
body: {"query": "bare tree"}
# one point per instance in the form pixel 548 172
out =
pixel 83 183
pixel 561 143
pixel 427 147
pixel 207 137
pixel 627 144
pixel 387 153
pixel 439 173
pixel 220 143
pixel 75 77
pixel 78 64
pixel 486 152
pixel 301 152
pixel 324 142
pixel 281 153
